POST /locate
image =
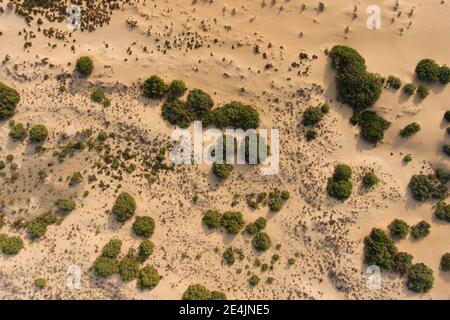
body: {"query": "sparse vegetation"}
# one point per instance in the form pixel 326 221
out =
pixel 10 245
pixel 229 256
pixel 422 92
pixel 257 226
pixel 372 126
pixel 40 283
pixel 254 280
pixel 37 227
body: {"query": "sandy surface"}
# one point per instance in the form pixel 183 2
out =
pixel 324 235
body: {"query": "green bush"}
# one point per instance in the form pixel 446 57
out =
pixel 18 132
pixel 325 108
pixel 232 221
pixel 427 70
pixel 10 245
pixel 112 249
pixel 446 149
pixel 420 278
pixel 427 187
pixel 342 172
pixel 444 75
pixel 212 219
pixel 410 129
pixel 66 205
pixel 38 133
pixel 199 102
pixel 37 227
pixel 144 226
pixel 379 250
pixel 261 241
pixel 423 92
pixel 176 113
pixel 217 295
pixel 445 262
pixel 155 88
pixel 403 262
pixel 442 211
pixel 105 267
pixel 9 98
pixel 75 178
pixel 370 179
pixel 124 207
pixel 229 256
pixel 177 88
pixel 235 115
pixel 40 283
pixel 345 59
pixel 199 292
pixel 407 158
pixel 447 116
pixel 84 65
pixel 98 95
pixel 312 116
pixel 340 190
pixel 145 250
pixel 222 170
pixel 394 82
pixel 398 229
pixel 257 226
pixel 420 230
pixel 148 278
pixel 409 89
pixel 311 135
pixel 128 269
pixel 442 175
pixel 372 126
pixel 254 280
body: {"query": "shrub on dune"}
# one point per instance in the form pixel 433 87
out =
pixel 212 219
pixel 427 70
pixel 410 129
pixel 232 221
pixel 17 132
pixel 124 207
pixel 379 250
pixel 398 229
pixel 199 102
pixel 38 133
pixel 148 278
pixel 176 113
pixel 155 87
pixel 420 278
pixel 235 115
pixel 9 98
pixel 84 66
pixel 144 226
pixel 176 89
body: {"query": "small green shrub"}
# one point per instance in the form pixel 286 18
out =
pixel 212 219
pixel 420 278
pixel 232 221
pixel 312 116
pixel 409 89
pixel 442 175
pixel 420 230
pixel 176 113
pixel 410 129
pixel 217 295
pixel 199 292
pixel 105 267
pixel 40 283
pixel 154 87
pixel 229 256
pixel 403 262
pixel 84 66
pixel 444 75
pixel 38 133
pixel 340 190
pixel 325 108
pixel 254 280
pixel 379 250
pixel 370 179
pixel 311 135
pixel 427 70
pixel 112 249
pixel 17 132
pixel 442 211
pixel 423 92
pixel 37 227
pixel 98 95
pixel 235 115
pixel 10 245
pixel 144 226
pixel 257 226
pixel 261 241
pixel 124 207
pixel 177 88
pixel 128 269
pixel 75 178
pixel 342 172
pixel 398 229
pixel 222 170
pixel 9 98
pixel 407 158
pixel 199 102
pixel 66 205
pixel 148 278
pixel 445 262
pixel 394 82
pixel 145 250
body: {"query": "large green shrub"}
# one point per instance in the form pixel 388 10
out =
pixel 38 133
pixel 342 172
pixel 445 262
pixel 105 267
pixel 199 102
pixel 17 132
pixel 128 269
pixel 379 250
pixel 144 226
pixel 145 250
pixel 212 219
pixel 398 229
pixel 370 179
pixel 112 249
pixel 312 116
pixel 420 278
pixel 444 75
pixel 427 187
pixel 10 245
pixel 148 278
pixel 410 129
pixel 420 230
pixel 176 113
pixel 199 292
pixel 155 88
pixel 84 65
pixel 442 211
pixel 427 70
pixel 233 221
pixel 9 98
pixel 37 227
pixel 235 115
pixel 177 88
pixel 261 241
pixel 124 207
pixel 372 126
pixel 403 262
pixel 340 190
pixel 344 59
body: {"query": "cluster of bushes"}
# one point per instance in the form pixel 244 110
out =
pixel 38 132
pixel 199 292
pixel 313 115
pixel 370 179
pixel 9 98
pixel 428 70
pixel 257 226
pixel 410 129
pixel 420 230
pixel 84 66
pixel 144 226
pixel 340 186
pixel 10 245
pixel 355 86
pixel 427 187
pixel 232 221
pixel 277 199
pixel 235 115
pixel 124 207
pixel 37 227
pixel 380 250
pixel 372 126
pixel 98 96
